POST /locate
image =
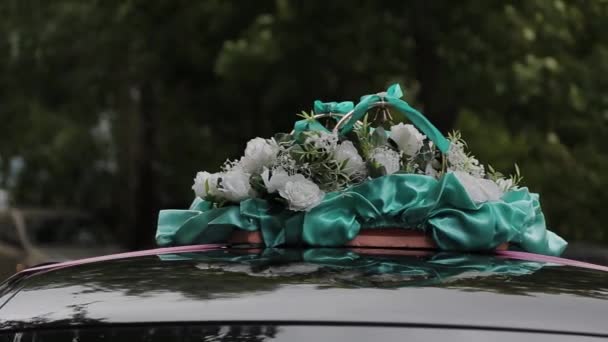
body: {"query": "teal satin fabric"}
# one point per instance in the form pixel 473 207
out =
pixel 393 97
pixel 441 208
pixel 333 107
pixel 308 125
pixel 337 108
pixel 396 270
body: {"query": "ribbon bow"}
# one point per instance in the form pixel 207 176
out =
pixel 392 96
pixel 394 91
pixel 333 107
pixel 306 125
pixel 339 108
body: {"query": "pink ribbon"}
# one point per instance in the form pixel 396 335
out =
pixel 201 248
pixel 148 252
pixel 549 259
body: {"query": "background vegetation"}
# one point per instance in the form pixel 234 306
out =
pixel 112 106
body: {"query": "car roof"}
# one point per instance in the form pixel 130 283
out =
pixel 312 285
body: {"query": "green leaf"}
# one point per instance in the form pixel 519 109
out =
pixel 283 138
pixel 379 137
pixel 375 169
pixel 206 186
pixel 257 184
pixel 307 116
pixel 343 164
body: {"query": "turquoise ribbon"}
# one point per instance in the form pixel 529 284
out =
pixel 392 97
pixel 338 108
pixel 308 125
pixel 441 208
pixel 333 107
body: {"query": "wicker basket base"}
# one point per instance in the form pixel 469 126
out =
pixel 383 238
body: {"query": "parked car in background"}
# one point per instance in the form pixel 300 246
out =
pixel 31 237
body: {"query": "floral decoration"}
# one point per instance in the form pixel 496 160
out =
pixel 298 170
pixel 351 167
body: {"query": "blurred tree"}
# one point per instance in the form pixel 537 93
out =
pixel 112 106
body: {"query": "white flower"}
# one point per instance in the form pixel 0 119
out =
pixel 235 185
pixel 388 158
pixel 458 160
pixel 346 151
pixel 323 140
pixel 408 138
pixel 505 184
pixel 275 181
pixel 301 193
pixel 479 189
pixel 205 184
pixel 259 153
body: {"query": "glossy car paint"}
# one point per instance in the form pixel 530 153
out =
pixel 282 333
pixel 207 286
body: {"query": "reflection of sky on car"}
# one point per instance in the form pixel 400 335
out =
pixel 65 230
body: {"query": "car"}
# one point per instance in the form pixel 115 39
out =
pixel 247 293
pixel 30 237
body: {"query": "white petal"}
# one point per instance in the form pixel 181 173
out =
pixel 479 189
pixel 235 186
pixel 275 179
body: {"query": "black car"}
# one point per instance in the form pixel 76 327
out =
pixel 215 293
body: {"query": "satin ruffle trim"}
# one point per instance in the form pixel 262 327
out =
pixel 442 208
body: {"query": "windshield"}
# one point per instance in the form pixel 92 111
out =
pixel 60 230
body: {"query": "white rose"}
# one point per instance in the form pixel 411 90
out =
pixel 387 158
pixel 301 193
pixel 205 184
pixel 346 151
pixel 479 189
pixel 408 138
pixel 259 153
pixel 235 185
pixel 275 181
pixel 459 160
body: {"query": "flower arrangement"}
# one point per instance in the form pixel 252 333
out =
pixel 348 168
pixel 298 170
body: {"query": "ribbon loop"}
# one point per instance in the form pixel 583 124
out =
pixel 310 124
pixel 395 91
pixel 333 107
pixel 392 97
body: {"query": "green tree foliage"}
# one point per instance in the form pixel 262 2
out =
pixel 113 106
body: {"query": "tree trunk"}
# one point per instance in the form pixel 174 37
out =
pixel 438 102
pixel 146 204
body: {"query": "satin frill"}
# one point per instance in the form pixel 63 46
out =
pixel 442 208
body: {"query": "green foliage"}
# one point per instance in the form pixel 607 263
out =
pixel 363 135
pixel 379 137
pixel 320 165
